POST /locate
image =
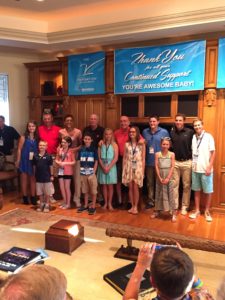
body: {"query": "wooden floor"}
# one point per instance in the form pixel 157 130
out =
pixel 184 225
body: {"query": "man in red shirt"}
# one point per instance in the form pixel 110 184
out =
pixel 50 133
pixel 121 137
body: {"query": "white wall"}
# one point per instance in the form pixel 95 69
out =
pixel 12 63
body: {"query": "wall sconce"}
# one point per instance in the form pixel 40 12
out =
pixel 64 236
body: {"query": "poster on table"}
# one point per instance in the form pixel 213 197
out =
pixel 167 68
pixel 86 74
pixel 221 64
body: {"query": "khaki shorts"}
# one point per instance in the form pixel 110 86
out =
pixel 44 188
pixel 89 184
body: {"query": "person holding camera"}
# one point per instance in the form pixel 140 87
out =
pixel 172 275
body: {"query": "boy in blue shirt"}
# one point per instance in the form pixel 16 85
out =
pixel 88 158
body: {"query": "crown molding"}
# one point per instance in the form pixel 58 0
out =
pixel 186 23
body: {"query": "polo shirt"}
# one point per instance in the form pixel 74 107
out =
pixel 8 134
pixel 87 157
pixel 42 170
pixel 202 146
pixel 97 134
pixel 121 137
pixel 51 136
pixel 181 143
pixel 153 143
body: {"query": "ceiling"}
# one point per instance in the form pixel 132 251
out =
pixel 70 26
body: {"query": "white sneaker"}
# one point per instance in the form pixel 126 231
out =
pixel 184 211
pixel 52 200
pixel 194 215
pixel 208 217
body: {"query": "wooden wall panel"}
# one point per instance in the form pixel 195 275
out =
pixel 109 77
pixel 211 66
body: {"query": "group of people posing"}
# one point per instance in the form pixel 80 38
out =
pixel 97 159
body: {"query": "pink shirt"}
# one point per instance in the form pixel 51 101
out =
pixel 69 157
pixel 51 136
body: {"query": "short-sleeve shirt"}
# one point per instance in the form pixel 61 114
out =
pixel 42 170
pixel 8 134
pixel 51 136
pixel 87 157
pixel 121 137
pixel 201 149
pixel 153 143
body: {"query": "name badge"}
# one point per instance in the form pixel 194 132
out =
pixel 31 155
pixel 61 171
pixel 105 161
pixel 1 142
pixel 151 150
pixel 194 162
pixel 134 164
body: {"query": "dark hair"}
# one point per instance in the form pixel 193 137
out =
pixel 171 271
pixel 88 133
pixel 154 116
pixel 68 116
pixel 26 133
pixel 3 118
pixel 138 135
pixel 181 115
pixel 68 140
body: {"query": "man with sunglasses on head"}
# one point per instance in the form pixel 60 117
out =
pixel 181 137
pixel 152 135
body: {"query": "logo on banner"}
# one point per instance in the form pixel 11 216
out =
pixel 86 74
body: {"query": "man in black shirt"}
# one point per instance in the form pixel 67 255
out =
pixel 181 137
pixel 95 130
pixel 7 136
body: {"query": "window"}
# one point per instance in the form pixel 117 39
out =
pixel 188 105
pixel 157 105
pixel 4 99
pixel 129 106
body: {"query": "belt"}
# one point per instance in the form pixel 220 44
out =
pixel 183 159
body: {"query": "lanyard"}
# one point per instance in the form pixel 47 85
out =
pixel 106 150
pixel 199 141
pixel 133 149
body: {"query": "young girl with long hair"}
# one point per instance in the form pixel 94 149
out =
pixel 27 148
pixel 164 166
pixel 65 160
pixel 107 173
pixel 134 167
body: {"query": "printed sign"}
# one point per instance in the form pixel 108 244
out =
pixel 221 64
pixel 178 67
pixel 86 73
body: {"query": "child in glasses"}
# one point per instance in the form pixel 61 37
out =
pixel 164 166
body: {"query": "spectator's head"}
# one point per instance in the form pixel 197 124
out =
pixel 47 119
pixel 66 142
pixel 68 121
pixel 2 121
pixel 87 139
pixel 93 121
pixel 134 134
pixel 42 146
pixel 108 135
pixel 31 128
pixel 198 126
pixel 221 290
pixel 179 121
pixel 35 282
pixel 172 272
pixel 154 122
pixel 124 122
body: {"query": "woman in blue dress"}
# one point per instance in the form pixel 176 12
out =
pixel 107 173
pixel 28 146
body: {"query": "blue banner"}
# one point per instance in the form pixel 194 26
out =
pixel 177 67
pixel 86 74
pixel 221 64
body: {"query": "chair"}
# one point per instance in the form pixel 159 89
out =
pixel 7 173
